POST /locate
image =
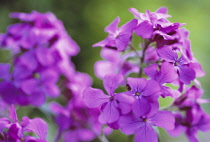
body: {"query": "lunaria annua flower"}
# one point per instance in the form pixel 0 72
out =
pixel 41 51
pixel 13 130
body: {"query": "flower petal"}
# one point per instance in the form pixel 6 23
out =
pixel 94 97
pixel 111 82
pixel 164 119
pixel 129 124
pixel 38 126
pixel 109 114
pixel 113 27
pixel 146 134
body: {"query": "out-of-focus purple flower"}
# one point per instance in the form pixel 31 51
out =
pixel 115 63
pixel 76 123
pixel 190 99
pixel 167 74
pixel 15 129
pixel 118 38
pixel 41 55
pixel 113 104
pixel 141 124
pixel 195 119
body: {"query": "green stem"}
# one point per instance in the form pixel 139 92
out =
pixel 145 46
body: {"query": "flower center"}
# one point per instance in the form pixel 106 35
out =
pixel 137 94
pixel 176 64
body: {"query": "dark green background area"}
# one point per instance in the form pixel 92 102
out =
pixel 85 21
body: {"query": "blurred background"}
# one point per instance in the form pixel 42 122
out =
pixel 85 21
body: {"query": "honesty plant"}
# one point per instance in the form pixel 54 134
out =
pixel 134 78
pixel 163 57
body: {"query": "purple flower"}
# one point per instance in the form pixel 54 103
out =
pixel 149 22
pixel 185 73
pixel 194 119
pixel 141 124
pixel 145 91
pixel 115 64
pixel 167 74
pixel 113 104
pixel 41 50
pixel 76 123
pixel 15 129
pixel 118 38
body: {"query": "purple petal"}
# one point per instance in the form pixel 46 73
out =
pixel 4 71
pixel 111 82
pixel 4 123
pixel 129 124
pixel 144 29
pixel 163 10
pixel 29 85
pixel 167 73
pixel 164 119
pixel 109 113
pixel 28 60
pixel 86 134
pixel 152 88
pixel 198 69
pixel 125 102
pixel 13 114
pixel 44 56
pixel 141 107
pixel 101 68
pixel 135 12
pixel 167 54
pixel 24 122
pixel 52 90
pixel 101 43
pixel 146 134
pixel 151 71
pixel 122 42
pixel 112 28
pixel 94 97
pixel 167 91
pixel 38 126
pixel 186 74
pixel 128 27
pixel 137 84
pixel 39 96
pixel 49 76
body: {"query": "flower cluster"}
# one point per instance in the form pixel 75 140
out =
pixel 163 59
pixel 11 130
pixel 41 51
pixel 134 78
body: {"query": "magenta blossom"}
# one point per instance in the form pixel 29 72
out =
pixel 141 124
pixel 118 38
pixel 113 104
pixel 15 129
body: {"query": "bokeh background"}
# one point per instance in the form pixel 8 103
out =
pixel 85 21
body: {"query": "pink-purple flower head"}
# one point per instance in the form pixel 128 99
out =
pixel 141 124
pixel 16 129
pixel 118 38
pixel 113 104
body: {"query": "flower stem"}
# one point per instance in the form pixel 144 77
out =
pixel 145 46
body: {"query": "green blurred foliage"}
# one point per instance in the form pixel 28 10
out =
pixel 85 21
